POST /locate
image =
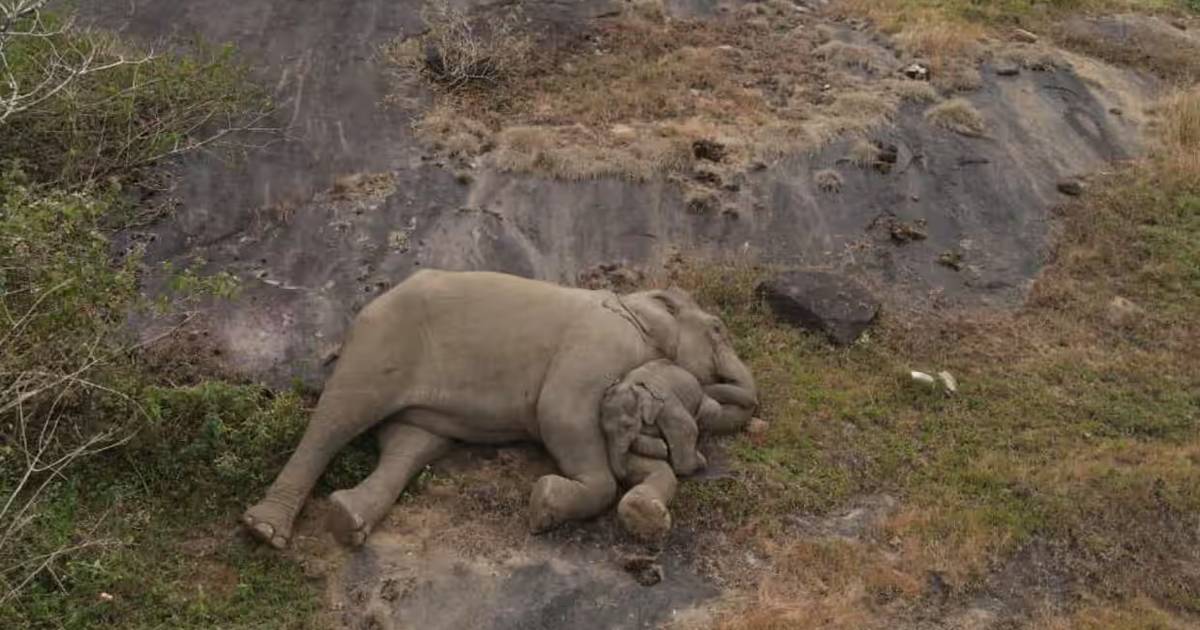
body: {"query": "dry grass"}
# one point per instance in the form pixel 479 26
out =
pixel 828 180
pixel 848 56
pixel 459 52
pixel 1179 129
pixel 453 133
pixel 1143 43
pixel 1031 56
pixel 626 99
pixel 1140 613
pixel 862 153
pixel 1062 478
pixel 957 115
pixel 913 91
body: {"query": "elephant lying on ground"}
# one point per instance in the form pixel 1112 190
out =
pixel 483 357
pixel 656 398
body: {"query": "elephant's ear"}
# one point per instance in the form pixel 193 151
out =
pixel 668 301
pixel 657 313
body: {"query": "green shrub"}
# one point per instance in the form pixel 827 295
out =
pixel 108 109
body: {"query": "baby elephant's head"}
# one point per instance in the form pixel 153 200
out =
pixel 622 412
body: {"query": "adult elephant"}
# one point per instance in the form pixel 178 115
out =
pixel 484 357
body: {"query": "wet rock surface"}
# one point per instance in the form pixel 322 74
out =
pixel 822 302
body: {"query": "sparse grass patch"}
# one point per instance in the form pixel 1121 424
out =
pixel 828 180
pixel 129 110
pixel 108 469
pixel 1071 445
pixel 914 91
pixel 862 152
pixel 459 52
pixel 951 34
pixel 957 115
pixel 627 98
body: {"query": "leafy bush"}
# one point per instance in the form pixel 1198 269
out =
pixel 80 111
pixel 78 106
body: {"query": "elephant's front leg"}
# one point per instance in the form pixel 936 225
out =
pixel 570 429
pixel 403 451
pixel 643 510
pixel 344 411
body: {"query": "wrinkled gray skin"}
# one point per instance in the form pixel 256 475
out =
pixel 658 398
pixel 490 358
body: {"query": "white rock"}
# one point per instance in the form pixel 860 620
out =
pixel 924 379
pixel 949 383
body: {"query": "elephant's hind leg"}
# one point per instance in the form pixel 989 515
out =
pixel 403 451
pixel 342 413
pixel 573 436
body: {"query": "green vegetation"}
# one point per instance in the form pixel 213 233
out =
pixel 1074 434
pixel 1073 440
pixel 95 435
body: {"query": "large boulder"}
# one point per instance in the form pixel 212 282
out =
pixel 823 302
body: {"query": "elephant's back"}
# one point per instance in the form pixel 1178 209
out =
pixel 468 342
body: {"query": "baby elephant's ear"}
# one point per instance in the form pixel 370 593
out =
pixel 620 424
pixel 649 406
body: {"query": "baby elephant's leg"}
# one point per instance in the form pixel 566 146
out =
pixel 643 510
pixel 679 428
pixel 403 451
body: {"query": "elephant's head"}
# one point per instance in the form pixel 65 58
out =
pixel 699 343
pixel 622 412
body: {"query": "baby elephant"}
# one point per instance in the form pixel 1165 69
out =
pixel 657 399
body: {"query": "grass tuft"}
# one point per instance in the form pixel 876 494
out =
pixel 957 115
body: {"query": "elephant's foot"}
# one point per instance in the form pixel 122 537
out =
pixel 271 522
pixel 352 517
pixel 644 515
pixel 556 500
pixel 546 500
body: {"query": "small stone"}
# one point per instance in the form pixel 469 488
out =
pixel 821 301
pixel 105 597
pixel 949 383
pixel 917 71
pixel 1008 70
pixel 1115 111
pixel 1070 187
pixel 1024 36
pixel 922 378
pixel 757 426
pixel 952 259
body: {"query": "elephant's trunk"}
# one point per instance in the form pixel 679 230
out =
pixel 736 392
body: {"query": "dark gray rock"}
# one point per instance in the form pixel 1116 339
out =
pixel 1008 69
pixel 823 302
pixel 1070 187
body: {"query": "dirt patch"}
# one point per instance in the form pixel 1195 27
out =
pixel 455 552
